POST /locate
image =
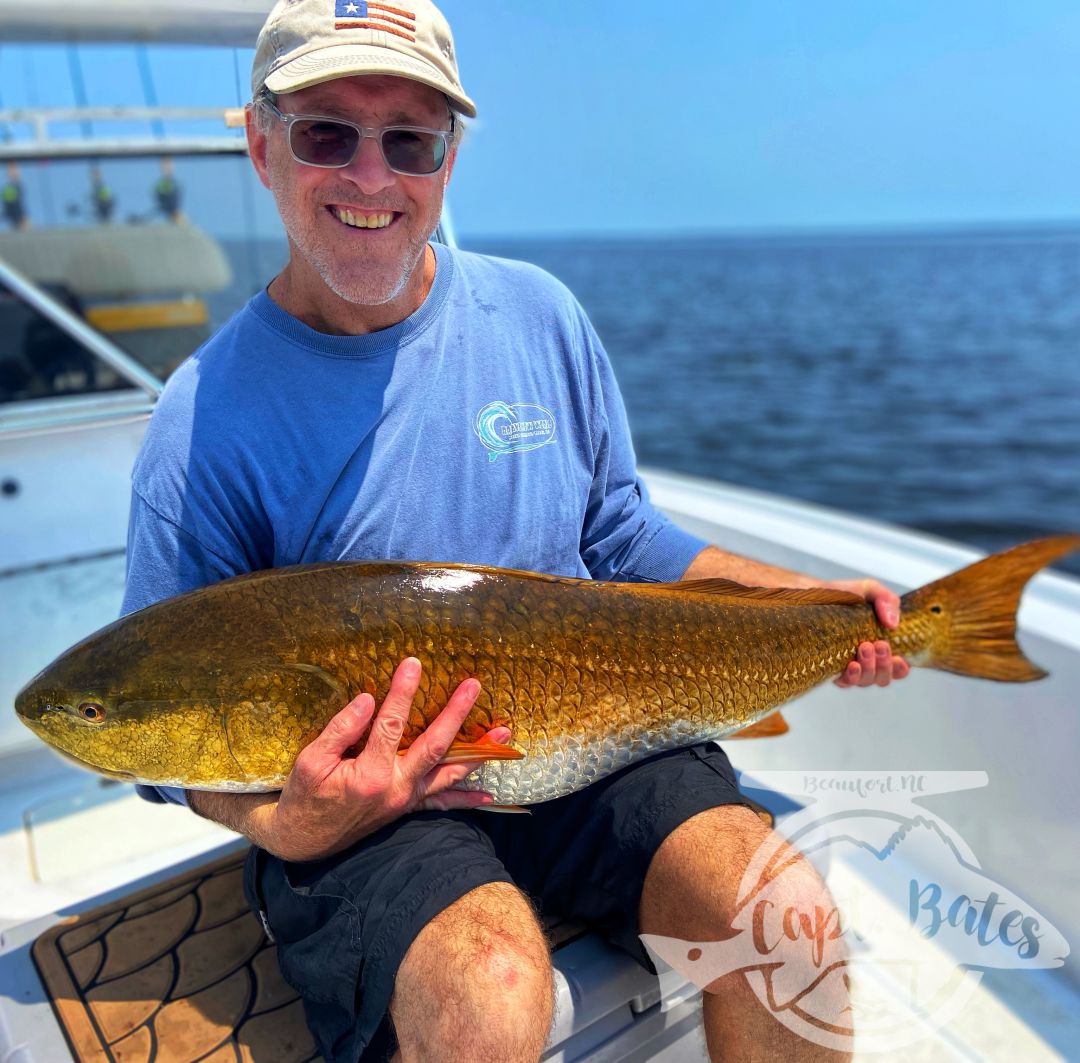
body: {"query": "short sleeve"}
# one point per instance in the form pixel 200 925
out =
pixel 624 536
pixel 163 560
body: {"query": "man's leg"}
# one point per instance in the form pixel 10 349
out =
pixel 475 984
pixel 418 926
pixel 691 892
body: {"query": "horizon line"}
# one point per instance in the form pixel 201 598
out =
pixel 1003 227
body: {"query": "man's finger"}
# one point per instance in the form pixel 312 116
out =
pixel 882 664
pixel 849 677
pixel 431 746
pixel 866 663
pixel 393 714
pixel 344 730
pixel 443 776
pixel 887 606
pixel 885 602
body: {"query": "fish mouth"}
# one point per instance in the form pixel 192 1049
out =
pixel 31 702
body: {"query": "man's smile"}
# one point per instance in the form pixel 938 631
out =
pixel 359 218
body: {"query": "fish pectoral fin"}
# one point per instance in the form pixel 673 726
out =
pixel 319 674
pixel 462 752
pixel 770 727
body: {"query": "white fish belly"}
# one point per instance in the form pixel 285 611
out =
pixel 559 766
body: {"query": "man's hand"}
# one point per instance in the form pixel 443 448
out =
pixel 333 799
pixel 875 664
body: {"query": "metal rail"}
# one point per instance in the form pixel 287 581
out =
pixel 40 145
pixel 224 23
pixel 171 147
pixel 41 117
pixel 79 330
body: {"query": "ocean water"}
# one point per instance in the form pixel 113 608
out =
pixel 927 379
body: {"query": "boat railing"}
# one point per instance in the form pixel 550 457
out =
pixel 42 145
pixel 71 324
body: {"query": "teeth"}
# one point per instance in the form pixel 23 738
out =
pixel 363 221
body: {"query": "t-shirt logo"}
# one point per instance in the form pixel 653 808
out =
pixel 505 428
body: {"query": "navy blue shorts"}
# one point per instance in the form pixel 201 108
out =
pixel 344 924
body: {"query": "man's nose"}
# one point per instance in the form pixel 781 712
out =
pixel 369 170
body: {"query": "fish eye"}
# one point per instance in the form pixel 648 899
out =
pixel 92 711
pixel 935 608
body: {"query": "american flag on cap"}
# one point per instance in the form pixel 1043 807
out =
pixel 365 15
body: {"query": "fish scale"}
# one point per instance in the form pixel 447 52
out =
pixel 221 688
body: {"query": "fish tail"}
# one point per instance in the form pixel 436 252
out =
pixel 974 612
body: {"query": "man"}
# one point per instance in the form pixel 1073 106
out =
pixel 167 192
pixel 336 416
pixel 101 196
pixel 14 200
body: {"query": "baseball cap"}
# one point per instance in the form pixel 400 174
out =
pixel 304 42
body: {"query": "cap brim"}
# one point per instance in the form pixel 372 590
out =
pixel 342 61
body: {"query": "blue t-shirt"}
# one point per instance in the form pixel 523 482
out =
pixel 485 428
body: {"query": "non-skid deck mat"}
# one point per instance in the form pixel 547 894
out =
pixel 178 973
pixel 181 973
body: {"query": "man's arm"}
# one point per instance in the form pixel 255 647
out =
pixel 874 664
pixel 332 798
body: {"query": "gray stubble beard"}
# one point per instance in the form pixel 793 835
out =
pixel 362 291
pixel 320 257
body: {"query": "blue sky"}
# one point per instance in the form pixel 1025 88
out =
pixel 632 117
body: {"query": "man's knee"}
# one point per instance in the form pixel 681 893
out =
pixel 710 865
pixel 479 974
pixel 694 878
pixel 725 869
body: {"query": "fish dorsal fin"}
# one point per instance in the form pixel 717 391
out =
pixel 797 596
pixel 770 726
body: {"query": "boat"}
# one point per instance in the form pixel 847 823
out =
pixel 73 844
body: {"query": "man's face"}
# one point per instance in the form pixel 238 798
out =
pixel 367 266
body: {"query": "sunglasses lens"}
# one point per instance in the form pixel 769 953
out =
pixel 413 151
pixel 321 142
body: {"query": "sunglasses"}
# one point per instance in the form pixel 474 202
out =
pixel 332 143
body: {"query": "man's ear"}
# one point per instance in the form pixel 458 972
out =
pixel 257 142
pixel 449 168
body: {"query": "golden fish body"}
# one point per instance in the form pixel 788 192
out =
pixel 221 688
